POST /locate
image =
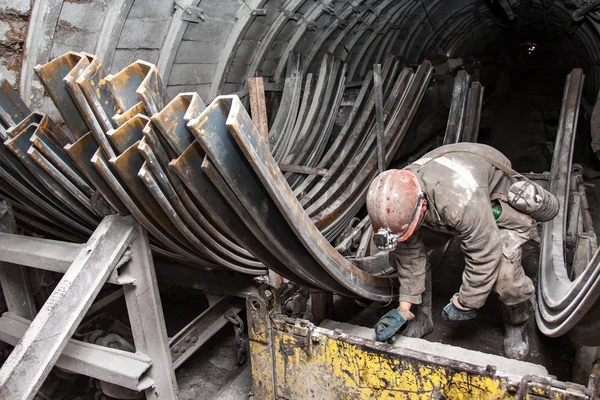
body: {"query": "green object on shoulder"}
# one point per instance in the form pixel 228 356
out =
pixel 496 210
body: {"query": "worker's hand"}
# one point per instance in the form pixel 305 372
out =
pixel 454 311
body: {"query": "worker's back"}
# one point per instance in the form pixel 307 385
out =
pixel 456 178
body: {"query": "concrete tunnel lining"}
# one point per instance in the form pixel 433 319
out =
pixel 217 55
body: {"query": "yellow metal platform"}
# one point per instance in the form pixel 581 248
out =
pixel 293 359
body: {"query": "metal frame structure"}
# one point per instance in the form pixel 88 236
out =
pixel 119 253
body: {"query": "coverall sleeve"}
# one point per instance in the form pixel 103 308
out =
pixel 410 260
pixel 482 247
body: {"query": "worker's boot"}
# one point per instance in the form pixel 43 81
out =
pixel 422 324
pixel 516 341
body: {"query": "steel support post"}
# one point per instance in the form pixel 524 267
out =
pixel 147 319
pixel 32 359
pixel 377 85
pixel 14 278
pixel 104 363
pixel 256 91
pixel 202 328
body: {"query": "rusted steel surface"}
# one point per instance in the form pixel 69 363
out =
pixel 138 82
pixel 51 76
pixel 343 139
pixel 212 133
pixel 171 122
pixel 263 165
pixel 19 145
pixel 301 169
pixel 54 153
pixel 96 92
pixel 189 168
pixel 203 181
pixel 258 107
pixel 81 152
pixel 313 148
pixel 12 109
pixel 127 134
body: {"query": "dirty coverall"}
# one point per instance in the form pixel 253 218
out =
pixel 459 187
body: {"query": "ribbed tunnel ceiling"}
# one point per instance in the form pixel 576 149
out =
pixel 234 39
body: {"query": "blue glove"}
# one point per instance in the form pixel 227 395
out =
pixel 388 325
pixel 453 313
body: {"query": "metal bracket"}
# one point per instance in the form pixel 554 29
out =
pixel 373 10
pixel 310 26
pixel 192 14
pixel 355 7
pixel 300 328
pixel 546 388
pixel 327 6
pixel 259 12
pixel 291 15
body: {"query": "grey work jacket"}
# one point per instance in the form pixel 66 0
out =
pixel 458 187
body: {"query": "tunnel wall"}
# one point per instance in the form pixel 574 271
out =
pixel 235 40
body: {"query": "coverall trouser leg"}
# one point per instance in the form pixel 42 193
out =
pixel 513 286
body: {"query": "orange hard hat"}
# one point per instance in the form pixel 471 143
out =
pixel 393 201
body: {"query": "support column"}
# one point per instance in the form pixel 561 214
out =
pixel 147 318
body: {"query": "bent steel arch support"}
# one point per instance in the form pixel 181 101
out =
pixel 42 24
pixel 267 41
pixel 264 166
pixel 562 302
pixel 177 28
pixel 335 25
pixel 376 35
pixel 111 31
pixel 244 18
pixel 310 16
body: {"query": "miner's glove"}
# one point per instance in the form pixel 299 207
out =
pixel 454 311
pixel 390 323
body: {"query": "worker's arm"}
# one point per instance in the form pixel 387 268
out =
pixel 410 260
pixel 482 247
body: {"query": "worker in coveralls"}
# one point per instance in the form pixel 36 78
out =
pixel 455 189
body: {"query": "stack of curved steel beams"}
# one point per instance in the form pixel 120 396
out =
pixel 568 296
pixel 350 160
pixel 209 189
pixel 199 179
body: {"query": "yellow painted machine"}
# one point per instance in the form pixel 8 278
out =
pixel 294 359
